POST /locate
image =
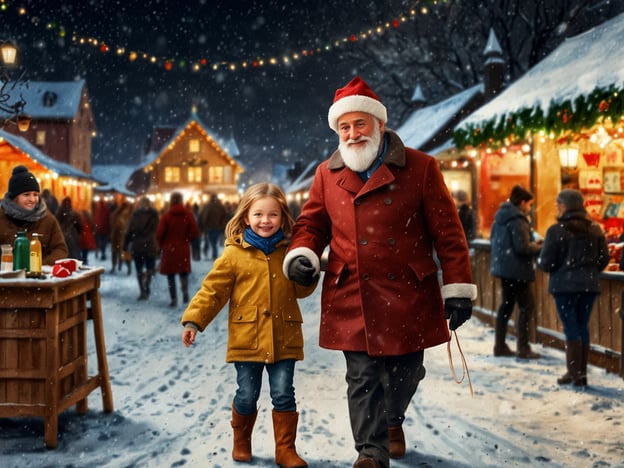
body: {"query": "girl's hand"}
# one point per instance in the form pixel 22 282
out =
pixel 188 336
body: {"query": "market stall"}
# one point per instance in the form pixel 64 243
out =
pixel 43 347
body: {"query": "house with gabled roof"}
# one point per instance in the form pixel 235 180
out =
pixel 190 159
pixel 62 124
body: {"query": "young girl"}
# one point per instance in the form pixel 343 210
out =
pixel 264 329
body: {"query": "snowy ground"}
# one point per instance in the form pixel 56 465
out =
pixel 172 404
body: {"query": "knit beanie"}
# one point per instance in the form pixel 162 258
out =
pixel 356 96
pixel 519 194
pixel 22 181
pixel 572 199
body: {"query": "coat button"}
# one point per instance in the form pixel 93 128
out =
pixel 391 241
pixel 240 317
pixel 363 242
pixel 366 277
pixel 358 202
pixel 266 313
pixel 388 201
pixel 391 276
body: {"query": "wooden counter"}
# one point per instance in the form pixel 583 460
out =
pixel 43 347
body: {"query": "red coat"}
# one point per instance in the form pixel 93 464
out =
pixel 381 292
pixel 176 229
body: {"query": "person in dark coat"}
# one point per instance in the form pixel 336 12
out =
pixel 212 219
pixel 21 209
pixel 513 253
pixel 575 251
pixel 466 214
pixel 71 225
pixel 101 218
pixel 140 241
pixel 176 229
pixel 382 209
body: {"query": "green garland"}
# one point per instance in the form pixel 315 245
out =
pixel 567 116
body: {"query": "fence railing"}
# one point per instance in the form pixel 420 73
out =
pixel 606 331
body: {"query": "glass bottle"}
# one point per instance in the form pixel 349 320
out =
pixel 7 257
pixel 21 252
pixel 35 254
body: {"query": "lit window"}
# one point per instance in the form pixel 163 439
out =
pixel 194 146
pixel 215 175
pixel 172 174
pixel 227 175
pixel 195 174
pixel 40 138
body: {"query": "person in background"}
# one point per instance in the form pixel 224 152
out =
pixel 575 251
pixel 176 229
pixel 71 226
pixel 513 254
pixel 87 238
pixel 119 219
pixel 101 218
pixel 383 209
pixel 21 209
pixel 212 220
pixel 50 200
pixel 140 240
pixel 196 243
pixel 466 215
pixel 264 330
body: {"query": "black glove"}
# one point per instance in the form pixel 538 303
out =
pixel 301 271
pixel 458 310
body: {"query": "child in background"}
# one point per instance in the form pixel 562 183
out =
pixel 264 326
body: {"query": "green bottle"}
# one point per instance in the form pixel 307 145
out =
pixel 21 252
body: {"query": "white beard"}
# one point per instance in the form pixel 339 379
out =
pixel 360 159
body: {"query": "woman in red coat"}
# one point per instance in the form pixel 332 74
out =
pixel 176 229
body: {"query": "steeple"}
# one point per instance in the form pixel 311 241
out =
pixel 418 100
pixel 494 67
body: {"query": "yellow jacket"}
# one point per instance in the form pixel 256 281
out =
pixel 264 319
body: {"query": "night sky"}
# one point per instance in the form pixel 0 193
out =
pixel 277 110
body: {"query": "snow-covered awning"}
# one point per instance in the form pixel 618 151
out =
pixel 580 82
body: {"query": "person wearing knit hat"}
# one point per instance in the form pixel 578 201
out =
pixel 513 250
pixel 21 209
pixel 575 251
pixel 383 209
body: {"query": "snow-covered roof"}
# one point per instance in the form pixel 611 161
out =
pixel 579 65
pixel 114 176
pixel 50 99
pixel 424 123
pixel 61 168
pixel 229 146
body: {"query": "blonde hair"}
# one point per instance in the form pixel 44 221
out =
pixel 237 224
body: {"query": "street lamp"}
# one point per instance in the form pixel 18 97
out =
pixel 11 109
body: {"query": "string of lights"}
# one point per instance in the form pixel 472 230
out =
pixel 197 64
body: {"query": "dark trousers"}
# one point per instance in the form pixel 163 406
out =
pixel 516 291
pixel 574 310
pixel 379 391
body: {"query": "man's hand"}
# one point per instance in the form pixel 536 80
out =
pixel 457 310
pixel 301 271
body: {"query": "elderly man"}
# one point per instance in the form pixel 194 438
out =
pixel 383 209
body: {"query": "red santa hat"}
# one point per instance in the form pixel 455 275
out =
pixel 356 96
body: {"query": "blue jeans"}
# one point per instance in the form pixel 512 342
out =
pixel 249 380
pixel 574 310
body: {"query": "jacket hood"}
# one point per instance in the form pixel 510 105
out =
pixel 507 212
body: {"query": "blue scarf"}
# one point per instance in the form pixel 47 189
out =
pixel 266 244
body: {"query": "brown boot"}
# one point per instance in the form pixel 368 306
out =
pixel 581 379
pixel 243 427
pixel 285 432
pixel 397 441
pixel 573 362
